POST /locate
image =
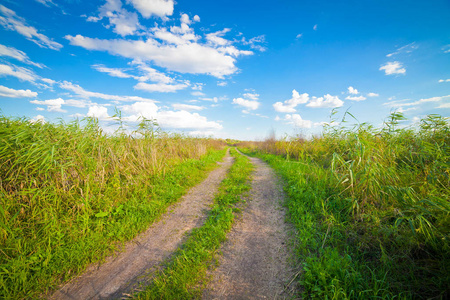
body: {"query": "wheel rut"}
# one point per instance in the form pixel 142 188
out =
pixel 122 274
pixel 255 261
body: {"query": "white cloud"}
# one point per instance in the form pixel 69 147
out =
pixel 393 67
pixel 187 107
pixel 38 119
pixel 299 35
pixel 216 39
pixel 372 95
pixel 256 42
pixel 52 104
pixel 123 22
pixel 404 49
pixel 249 104
pixel 297 121
pixel 184 58
pixel 222 83
pixel 78 90
pixel 315 27
pixel 197 86
pixel 147 8
pixel 17 54
pixel 356 98
pixel 99 112
pixel 18 72
pixel 11 21
pixel 352 90
pixel 290 105
pixel 251 96
pixel 196 18
pixel 170 119
pixel 160 87
pixel 325 101
pixel 444 80
pixel 114 72
pixel 12 93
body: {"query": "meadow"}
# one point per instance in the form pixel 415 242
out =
pixel 70 195
pixel 370 206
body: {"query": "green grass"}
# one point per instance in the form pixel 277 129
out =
pixel 371 207
pixel 70 195
pixel 185 275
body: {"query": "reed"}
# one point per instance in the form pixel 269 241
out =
pixel 70 194
pixel 371 206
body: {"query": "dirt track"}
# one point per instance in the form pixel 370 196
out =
pixel 255 264
pixel 121 274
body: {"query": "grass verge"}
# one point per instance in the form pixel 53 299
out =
pixel 185 275
pixel 371 209
pixel 71 195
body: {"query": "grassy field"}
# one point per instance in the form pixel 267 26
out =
pixel 371 208
pixel 70 194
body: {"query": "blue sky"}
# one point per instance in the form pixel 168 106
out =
pixel 230 69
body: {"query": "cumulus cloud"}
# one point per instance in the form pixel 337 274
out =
pixel 393 67
pixel 99 112
pixel 372 95
pixel 249 104
pixel 189 57
pixel 352 90
pixel 289 106
pixel 444 80
pixel 52 104
pixel 12 93
pixel 222 83
pixel 148 8
pixel 38 119
pixel 123 22
pixel 297 121
pixel 11 21
pixel 181 119
pixel 18 55
pixel 325 101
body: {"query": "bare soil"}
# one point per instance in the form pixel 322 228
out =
pixel 122 273
pixel 255 261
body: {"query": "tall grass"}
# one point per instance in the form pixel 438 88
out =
pixel 372 208
pixel 70 194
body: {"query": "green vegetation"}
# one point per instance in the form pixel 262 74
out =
pixel 185 275
pixel 70 195
pixel 371 207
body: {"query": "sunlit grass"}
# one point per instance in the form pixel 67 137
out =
pixel 70 194
pixel 371 207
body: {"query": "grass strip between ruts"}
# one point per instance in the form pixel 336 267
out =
pixel 185 275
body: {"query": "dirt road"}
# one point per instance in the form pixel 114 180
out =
pixel 121 274
pixel 255 264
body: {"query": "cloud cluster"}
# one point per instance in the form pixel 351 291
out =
pixel 289 106
pixel 250 101
pixel 12 93
pixel 393 67
pixel 11 21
